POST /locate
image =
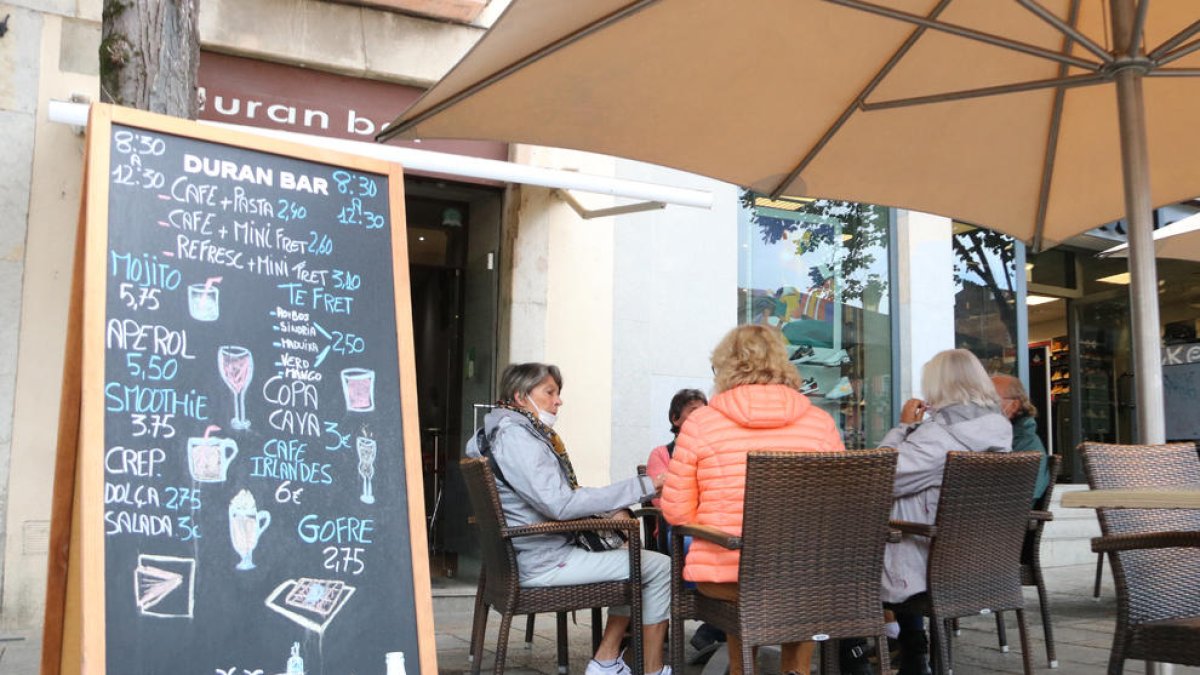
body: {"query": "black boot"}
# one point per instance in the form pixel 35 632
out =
pixel 914 645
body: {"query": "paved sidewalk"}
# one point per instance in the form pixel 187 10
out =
pixel 1082 629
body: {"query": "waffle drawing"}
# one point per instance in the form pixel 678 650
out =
pixel 312 603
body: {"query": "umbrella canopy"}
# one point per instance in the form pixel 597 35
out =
pixel 1023 116
pixel 1178 241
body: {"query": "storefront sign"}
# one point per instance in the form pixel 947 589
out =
pixel 256 93
pixel 1180 355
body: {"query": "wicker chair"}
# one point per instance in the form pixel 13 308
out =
pixel 1154 553
pixel 813 534
pixel 975 547
pixel 498 587
pixel 1031 565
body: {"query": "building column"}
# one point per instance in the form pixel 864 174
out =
pixel 925 292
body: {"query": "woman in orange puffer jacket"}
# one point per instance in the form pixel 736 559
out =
pixel 757 404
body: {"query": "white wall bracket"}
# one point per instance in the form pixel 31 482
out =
pixel 588 214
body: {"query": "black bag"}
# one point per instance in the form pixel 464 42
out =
pixel 589 540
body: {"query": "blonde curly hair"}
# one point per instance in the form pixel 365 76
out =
pixel 752 354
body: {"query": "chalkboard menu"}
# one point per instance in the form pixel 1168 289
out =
pixel 256 515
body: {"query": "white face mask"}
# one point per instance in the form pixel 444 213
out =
pixel 547 418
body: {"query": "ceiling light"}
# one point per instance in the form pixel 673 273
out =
pixel 1121 279
pixel 420 238
pixel 1039 299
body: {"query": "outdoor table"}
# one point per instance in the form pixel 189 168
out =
pixel 1132 499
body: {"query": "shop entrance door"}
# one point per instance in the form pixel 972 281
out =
pixel 453 243
pixel 1102 406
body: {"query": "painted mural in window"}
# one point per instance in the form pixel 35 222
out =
pixel 818 271
pixel 985 298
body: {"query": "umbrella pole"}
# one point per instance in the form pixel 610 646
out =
pixel 1143 277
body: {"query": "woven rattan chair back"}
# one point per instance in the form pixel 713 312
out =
pixel 499 559
pixel 814 530
pixel 982 517
pixel 1148 578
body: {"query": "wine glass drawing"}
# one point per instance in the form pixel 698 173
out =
pixel 246 525
pixel 366 466
pixel 237 367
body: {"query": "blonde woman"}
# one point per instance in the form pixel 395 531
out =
pixel 960 411
pixel 757 404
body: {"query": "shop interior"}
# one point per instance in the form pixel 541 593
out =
pixel 453 249
pixel 1080 364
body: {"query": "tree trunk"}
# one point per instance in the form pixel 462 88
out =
pixel 150 55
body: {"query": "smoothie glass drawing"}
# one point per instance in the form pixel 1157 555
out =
pixel 209 456
pixel 237 367
pixel 246 525
pixel 366 466
pixel 358 387
pixel 204 302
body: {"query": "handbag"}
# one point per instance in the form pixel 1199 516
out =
pixel 601 540
pixel 589 540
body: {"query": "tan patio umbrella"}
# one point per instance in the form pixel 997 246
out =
pixel 1177 241
pixel 1024 116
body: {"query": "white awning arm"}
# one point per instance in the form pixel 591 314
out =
pixel 75 114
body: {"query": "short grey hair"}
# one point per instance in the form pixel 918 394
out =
pixel 956 376
pixel 521 378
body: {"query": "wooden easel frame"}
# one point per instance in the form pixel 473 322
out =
pixel 74 634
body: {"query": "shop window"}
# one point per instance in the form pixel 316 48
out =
pixel 818 270
pixel 985 299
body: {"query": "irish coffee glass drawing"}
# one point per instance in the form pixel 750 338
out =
pixel 366 466
pixel 246 525
pixel 237 368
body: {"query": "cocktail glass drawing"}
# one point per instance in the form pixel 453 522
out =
pixel 246 525
pixel 237 368
pixel 204 302
pixel 366 466
pixel 358 387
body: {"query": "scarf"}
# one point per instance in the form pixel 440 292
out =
pixel 556 443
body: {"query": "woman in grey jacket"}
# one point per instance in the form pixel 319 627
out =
pixel 537 484
pixel 961 411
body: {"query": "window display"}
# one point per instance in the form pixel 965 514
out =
pixel 818 271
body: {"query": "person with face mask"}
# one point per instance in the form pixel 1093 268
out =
pixel 537 484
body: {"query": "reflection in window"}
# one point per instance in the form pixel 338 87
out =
pixel 985 299
pixel 818 270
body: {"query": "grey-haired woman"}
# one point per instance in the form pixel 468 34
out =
pixel 539 485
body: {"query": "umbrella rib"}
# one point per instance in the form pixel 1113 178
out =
pixel 1069 82
pixel 1052 141
pixel 856 103
pixel 969 33
pixel 1174 41
pixel 1174 72
pixel 546 50
pixel 1177 54
pixel 1066 29
pixel 1139 26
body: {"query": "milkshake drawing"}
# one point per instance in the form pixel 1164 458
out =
pixel 246 525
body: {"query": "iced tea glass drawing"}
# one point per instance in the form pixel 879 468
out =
pixel 366 466
pixel 246 525
pixel 204 302
pixel 237 367
pixel 358 387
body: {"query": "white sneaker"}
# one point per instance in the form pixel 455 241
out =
pixel 618 668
